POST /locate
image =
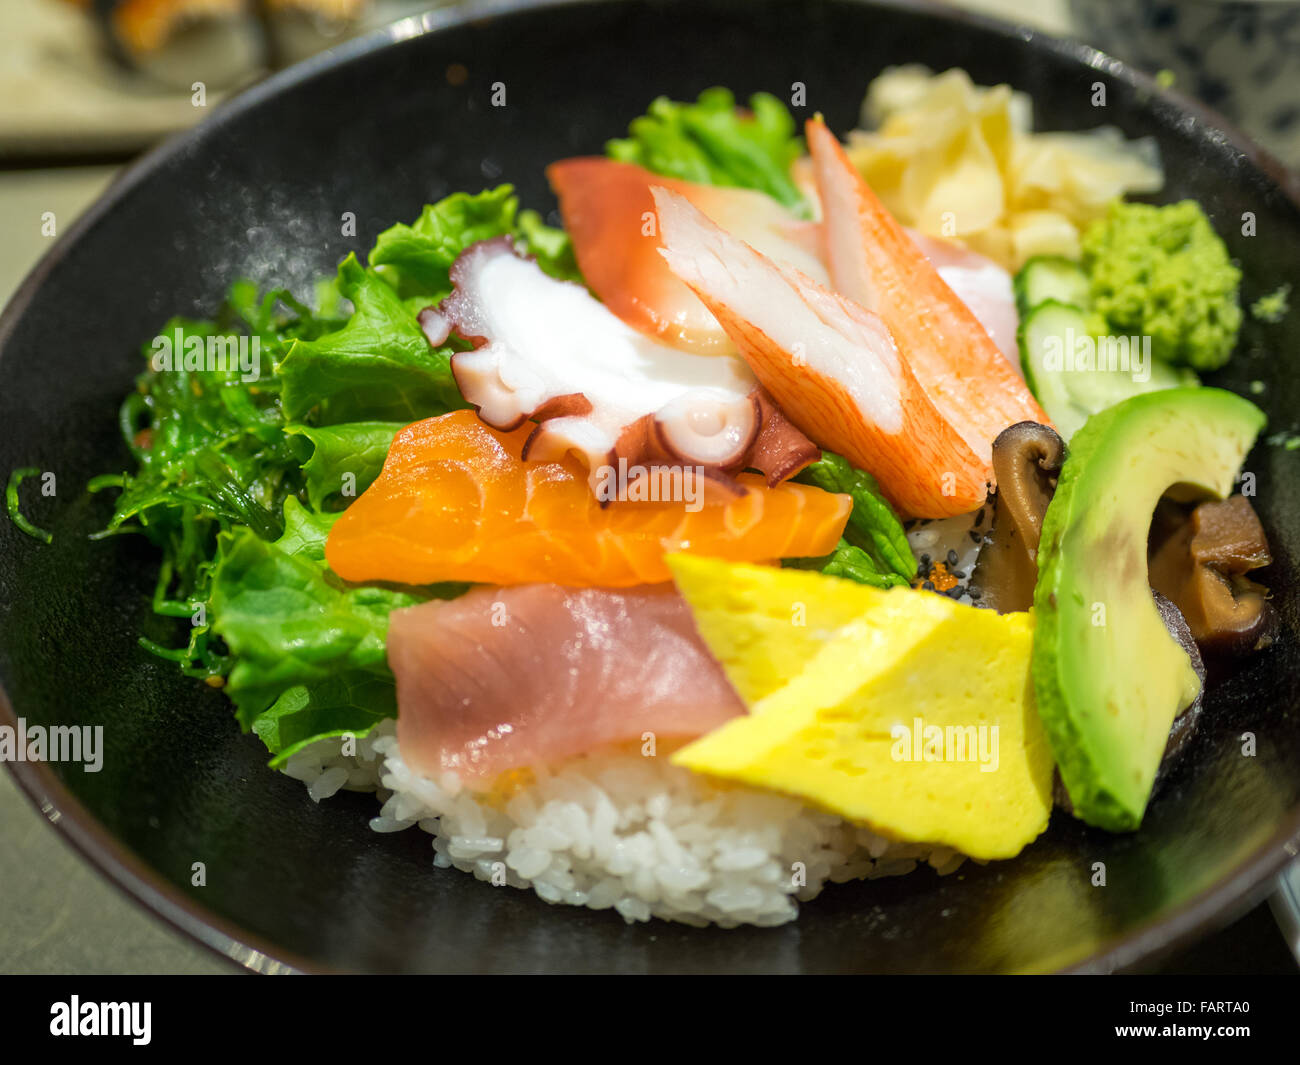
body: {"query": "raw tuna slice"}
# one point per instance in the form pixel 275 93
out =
pixel 504 678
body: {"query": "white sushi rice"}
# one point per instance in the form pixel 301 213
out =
pixel 933 540
pixel 621 831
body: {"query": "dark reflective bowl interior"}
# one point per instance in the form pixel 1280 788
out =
pixel 378 130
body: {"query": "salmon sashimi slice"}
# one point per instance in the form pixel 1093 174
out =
pixel 831 365
pixel 507 678
pixel 455 502
pixel 609 214
pixel 874 262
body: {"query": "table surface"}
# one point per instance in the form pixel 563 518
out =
pixel 61 916
pixel 60 88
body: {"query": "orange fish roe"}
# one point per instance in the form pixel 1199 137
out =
pixel 939 576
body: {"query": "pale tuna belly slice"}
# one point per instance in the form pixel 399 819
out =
pixel 504 678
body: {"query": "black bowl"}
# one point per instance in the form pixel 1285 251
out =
pixel 378 129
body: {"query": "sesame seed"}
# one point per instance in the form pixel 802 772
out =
pixel 928 586
pixel 952 559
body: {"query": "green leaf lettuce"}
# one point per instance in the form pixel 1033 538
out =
pixel 288 619
pixel 379 366
pixel 874 549
pixel 710 142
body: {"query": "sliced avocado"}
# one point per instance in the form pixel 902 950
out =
pixel 1108 677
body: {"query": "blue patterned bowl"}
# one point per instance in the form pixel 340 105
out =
pixel 1242 57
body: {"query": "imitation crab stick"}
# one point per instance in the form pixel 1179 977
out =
pixel 609 214
pixel 874 262
pixel 830 364
pixel 455 502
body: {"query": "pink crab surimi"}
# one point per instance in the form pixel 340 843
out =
pixel 549 352
pixel 876 263
pixel 609 214
pixel 830 364
pixel 728 334
pixel 891 369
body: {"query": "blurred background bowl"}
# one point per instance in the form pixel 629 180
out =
pixel 1242 57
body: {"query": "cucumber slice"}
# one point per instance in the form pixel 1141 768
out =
pixel 1050 277
pixel 1060 359
pixel 1045 330
pixel 1096 391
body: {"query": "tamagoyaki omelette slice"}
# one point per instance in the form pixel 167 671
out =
pixel 900 710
